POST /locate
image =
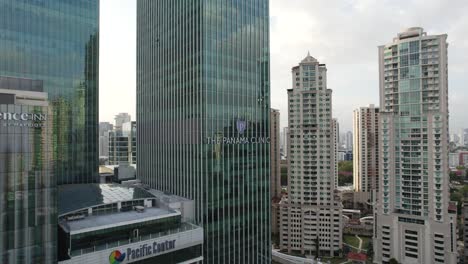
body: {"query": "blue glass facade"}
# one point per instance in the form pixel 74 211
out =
pixel 203 117
pixel 56 42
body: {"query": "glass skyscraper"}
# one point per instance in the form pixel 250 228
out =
pixel 203 105
pixel 28 203
pixel 48 118
pixel 56 42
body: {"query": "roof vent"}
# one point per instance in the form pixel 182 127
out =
pixel 75 217
pixel 139 208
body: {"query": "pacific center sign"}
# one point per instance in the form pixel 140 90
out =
pixel 132 254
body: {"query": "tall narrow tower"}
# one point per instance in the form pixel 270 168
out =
pixel 415 222
pixel 366 149
pixel 311 214
pixel 203 107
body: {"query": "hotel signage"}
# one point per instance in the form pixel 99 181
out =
pixel 23 119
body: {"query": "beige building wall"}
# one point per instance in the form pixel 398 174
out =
pixel 275 171
pixel 366 149
pixel 310 216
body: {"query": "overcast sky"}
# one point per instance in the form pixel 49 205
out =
pixel 343 34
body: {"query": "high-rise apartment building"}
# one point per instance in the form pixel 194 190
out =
pixel 57 43
pixel 414 220
pixel 311 221
pixel 336 139
pixel 464 257
pixel 203 109
pixel 366 149
pixel 275 155
pixel 285 141
pixel 275 168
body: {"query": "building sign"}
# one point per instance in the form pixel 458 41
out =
pixel 142 251
pixel 23 119
pixel 241 126
pixel 238 140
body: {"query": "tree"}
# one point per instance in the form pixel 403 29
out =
pixel 393 261
pixel 453 176
pixel 346 166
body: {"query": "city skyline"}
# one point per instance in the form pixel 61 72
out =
pixel 363 33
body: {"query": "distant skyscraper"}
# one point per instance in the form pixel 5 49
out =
pixel 104 128
pixel 122 144
pixel 349 140
pixel 311 219
pixel 275 155
pixel 203 110
pixel 285 140
pixel 415 221
pixel 120 119
pixel 57 43
pixel 275 169
pixel 366 149
pixel 461 135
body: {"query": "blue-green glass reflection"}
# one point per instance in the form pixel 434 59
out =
pixel 203 114
pixel 56 41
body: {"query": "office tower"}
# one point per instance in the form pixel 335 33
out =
pixel 104 128
pixel 366 149
pixel 130 129
pixel 275 155
pixel 122 144
pixel 415 221
pixel 311 215
pixel 336 132
pixel 120 119
pixel 28 185
pixel 349 140
pixel 57 42
pixel 203 109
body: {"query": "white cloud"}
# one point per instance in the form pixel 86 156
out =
pixel 344 34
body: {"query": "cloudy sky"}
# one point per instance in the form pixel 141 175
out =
pixel 344 34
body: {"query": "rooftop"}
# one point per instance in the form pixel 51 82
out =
pixel 168 197
pixel 96 222
pixel 309 59
pixel 74 197
pixel 357 256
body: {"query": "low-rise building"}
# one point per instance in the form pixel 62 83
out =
pixel 101 223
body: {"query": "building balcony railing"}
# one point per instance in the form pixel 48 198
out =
pixel 185 227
